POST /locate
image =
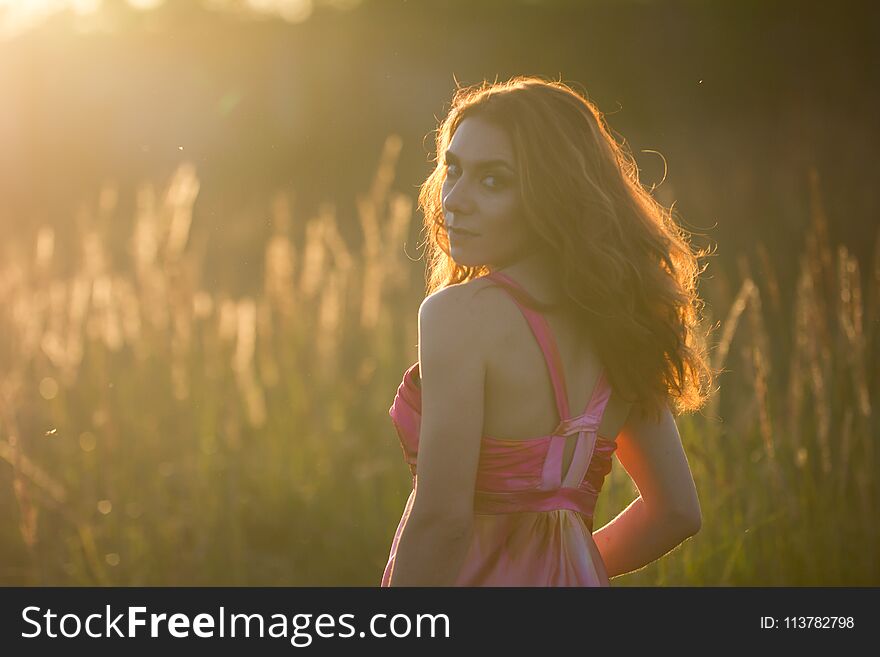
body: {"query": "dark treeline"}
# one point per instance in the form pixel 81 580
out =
pixel 740 98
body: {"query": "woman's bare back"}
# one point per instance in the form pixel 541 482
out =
pixel 519 400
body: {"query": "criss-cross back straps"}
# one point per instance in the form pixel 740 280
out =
pixel 585 425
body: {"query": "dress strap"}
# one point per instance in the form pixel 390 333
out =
pixel 555 473
pixel 544 335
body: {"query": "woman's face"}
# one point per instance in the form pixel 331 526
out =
pixel 481 196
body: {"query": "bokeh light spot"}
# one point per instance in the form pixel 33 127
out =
pixel 87 441
pixel 48 388
pixel 144 5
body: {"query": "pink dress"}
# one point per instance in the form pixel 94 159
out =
pixel 533 523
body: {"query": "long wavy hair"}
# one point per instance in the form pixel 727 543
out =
pixel 626 268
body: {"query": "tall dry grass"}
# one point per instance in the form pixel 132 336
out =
pixel 154 431
pixel 785 453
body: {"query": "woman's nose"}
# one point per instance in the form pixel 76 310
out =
pixel 457 199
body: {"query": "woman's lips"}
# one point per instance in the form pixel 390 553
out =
pixel 458 232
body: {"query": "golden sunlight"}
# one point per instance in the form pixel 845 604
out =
pixel 18 16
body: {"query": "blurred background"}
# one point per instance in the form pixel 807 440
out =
pixel 210 273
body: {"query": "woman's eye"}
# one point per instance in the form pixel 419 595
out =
pixel 496 182
pixel 491 181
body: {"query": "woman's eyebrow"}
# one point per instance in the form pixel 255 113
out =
pixel 480 164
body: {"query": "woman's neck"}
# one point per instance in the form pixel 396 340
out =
pixel 536 273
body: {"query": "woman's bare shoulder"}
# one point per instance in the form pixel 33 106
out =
pixel 476 308
pixel 479 299
pixel 478 295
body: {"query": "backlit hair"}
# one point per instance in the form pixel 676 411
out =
pixel 625 265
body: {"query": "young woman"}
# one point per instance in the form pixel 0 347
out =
pixel 561 324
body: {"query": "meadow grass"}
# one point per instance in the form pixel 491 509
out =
pixel 154 431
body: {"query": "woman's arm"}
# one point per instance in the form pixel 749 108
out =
pixel 430 552
pixel 452 367
pixel 667 511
